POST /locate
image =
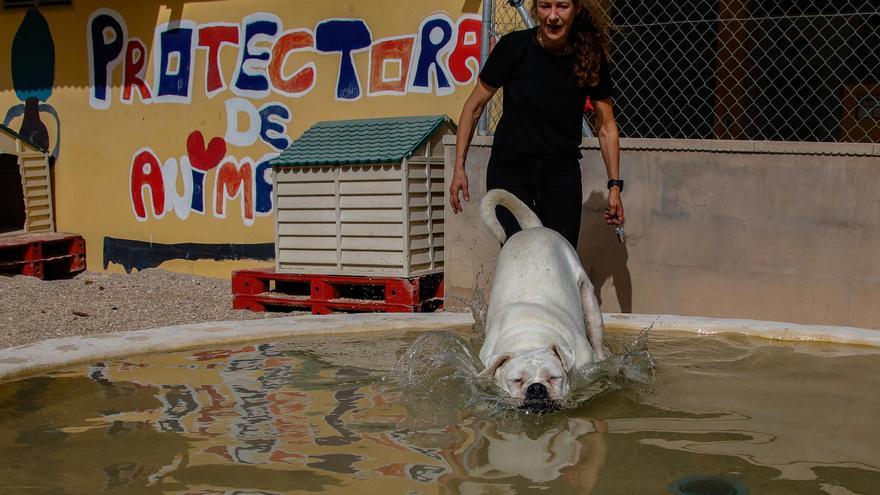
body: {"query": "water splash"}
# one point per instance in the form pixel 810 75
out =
pixel 439 382
pixel 437 377
pixel 478 306
pixel 630 369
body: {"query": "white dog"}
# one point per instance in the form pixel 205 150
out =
pixel 541 305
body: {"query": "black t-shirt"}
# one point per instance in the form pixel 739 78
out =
pixel 543 104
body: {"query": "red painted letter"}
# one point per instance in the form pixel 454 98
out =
pixel 303 80
pixel 388 50
pixel 213 37
pixel 231 180
pixel 135 65
pixel 146 172
pixel 467 46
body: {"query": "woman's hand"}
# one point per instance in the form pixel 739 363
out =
pixel 459 183
pixel 614 212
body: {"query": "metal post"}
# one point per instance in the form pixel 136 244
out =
pixel 520 7
pixel 488 9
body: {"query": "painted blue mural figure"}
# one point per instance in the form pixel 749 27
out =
pixel 345 36
pixel 33 76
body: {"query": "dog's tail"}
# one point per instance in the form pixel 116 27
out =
pixel 524 215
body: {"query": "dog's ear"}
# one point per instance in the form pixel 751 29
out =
pixel 495 362
pixel 565 355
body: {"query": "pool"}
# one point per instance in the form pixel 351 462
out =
pixel 334 414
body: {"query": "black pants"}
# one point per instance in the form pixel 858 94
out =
pixel 551 187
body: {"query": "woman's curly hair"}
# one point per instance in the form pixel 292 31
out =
pixel 590 38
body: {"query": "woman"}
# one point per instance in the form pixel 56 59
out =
pixel 547 73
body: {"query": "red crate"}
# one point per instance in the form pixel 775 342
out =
pixel 43 255
pixel 266 290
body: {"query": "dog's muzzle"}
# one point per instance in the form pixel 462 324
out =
pixel 537 400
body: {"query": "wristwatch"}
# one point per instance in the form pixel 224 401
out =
pixel 615 182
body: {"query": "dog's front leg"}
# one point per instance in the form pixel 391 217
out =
pixel 592 317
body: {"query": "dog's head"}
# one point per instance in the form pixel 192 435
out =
pixel 538 377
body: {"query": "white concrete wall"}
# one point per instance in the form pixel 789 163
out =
pixel 735 229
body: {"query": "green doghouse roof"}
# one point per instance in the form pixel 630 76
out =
pixel 340 142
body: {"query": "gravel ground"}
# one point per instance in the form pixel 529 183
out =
pixel 90 303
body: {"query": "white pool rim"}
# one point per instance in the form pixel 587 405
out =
pixel 48 355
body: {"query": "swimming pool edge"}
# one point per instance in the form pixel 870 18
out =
pixel 53 354
pixel 48 355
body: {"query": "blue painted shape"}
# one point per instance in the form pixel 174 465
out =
pixel 266 125
pixel 140 255
pixel 254 82
pixel 33 58
pixel 198 197
pixel 179 41
pixel 344 36
pixel 103 53
pixel 428 54
pixel 263 203
pixel 47 108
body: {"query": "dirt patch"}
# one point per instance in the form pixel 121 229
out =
pixel 94 303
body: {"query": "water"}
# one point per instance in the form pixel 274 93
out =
pixel 403 414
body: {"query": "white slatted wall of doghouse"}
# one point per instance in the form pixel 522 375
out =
pixel 37 192
pixel 367 219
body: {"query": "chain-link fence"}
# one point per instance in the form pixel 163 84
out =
pixel 786 70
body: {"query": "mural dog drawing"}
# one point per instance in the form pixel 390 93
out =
pixel 540 308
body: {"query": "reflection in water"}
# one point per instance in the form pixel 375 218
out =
pixel 564 453
pixel 49 444
pixel 404 414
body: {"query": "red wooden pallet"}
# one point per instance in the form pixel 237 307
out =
pixel 43 255
pixel 266 290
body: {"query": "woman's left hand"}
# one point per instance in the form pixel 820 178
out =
pixel 614 212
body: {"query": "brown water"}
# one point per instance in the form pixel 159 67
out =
pixel 326 415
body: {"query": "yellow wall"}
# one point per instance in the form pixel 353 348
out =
pixel 93 173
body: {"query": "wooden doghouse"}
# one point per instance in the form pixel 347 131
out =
pixel 25 186
pixel 363 198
